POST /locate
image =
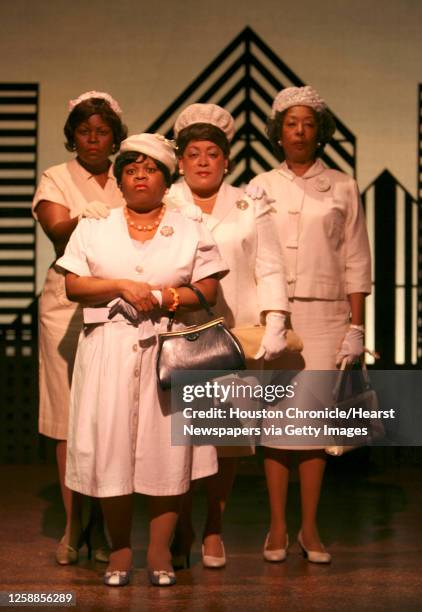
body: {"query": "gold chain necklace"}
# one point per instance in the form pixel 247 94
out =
pixel 150 226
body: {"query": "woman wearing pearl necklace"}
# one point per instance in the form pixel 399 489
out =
pixel 130 270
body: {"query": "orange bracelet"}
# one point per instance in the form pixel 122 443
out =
pixel 176 300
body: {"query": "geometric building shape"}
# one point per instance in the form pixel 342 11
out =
pixel 18 176
pixel 244 78
pixel 392 309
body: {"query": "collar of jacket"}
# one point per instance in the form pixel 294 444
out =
pixel 314 170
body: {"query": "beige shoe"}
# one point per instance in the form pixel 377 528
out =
pixel 96 540
pixel 213 562
pixel 66 554
pixel 276 555
pixel 314 556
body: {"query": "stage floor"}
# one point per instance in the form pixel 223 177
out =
pixel 370 520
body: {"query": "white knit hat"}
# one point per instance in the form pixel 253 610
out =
pixel 205 113
pixel 297 96
pixel 153 145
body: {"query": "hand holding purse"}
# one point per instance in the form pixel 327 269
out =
pixel 365 398
pixel 250 337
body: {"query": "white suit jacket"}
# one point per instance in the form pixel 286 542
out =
pixel 246 237
pixel 322 231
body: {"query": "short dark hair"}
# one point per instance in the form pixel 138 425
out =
pixel 83 111
pixel 202 131
pixel 128 157
pixel 326 128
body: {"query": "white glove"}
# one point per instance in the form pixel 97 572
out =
pixel 274 340
pixel 95 210
pixel 191 211
pixel 120 306
pixel 254 191
pixel 352 346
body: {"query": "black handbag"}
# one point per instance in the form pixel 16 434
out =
pixel 209 346
pixel 364 397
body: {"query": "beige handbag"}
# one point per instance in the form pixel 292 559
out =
pixel 250 337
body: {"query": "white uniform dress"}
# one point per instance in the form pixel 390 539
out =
pixel 60 321
pixel 323 236
pixel 120 422
pixel 246 237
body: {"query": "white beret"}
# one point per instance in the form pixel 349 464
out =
pixel 297 96
pixel 154 145
pixel 205 113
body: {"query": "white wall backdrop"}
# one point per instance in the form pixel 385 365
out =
pixel 364 58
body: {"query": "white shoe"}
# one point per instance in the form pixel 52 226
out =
pixel 314 556
pixel 214 562
pixel 276 555
pixel 161 578
pixel 117 578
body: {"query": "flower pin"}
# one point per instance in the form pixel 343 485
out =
pixel 167 230
pixel 322 183
pixel 242 204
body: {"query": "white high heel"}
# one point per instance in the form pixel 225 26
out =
pixel 314 556
pixel 278 554
pixel 214 562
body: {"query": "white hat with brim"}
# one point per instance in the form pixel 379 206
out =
pixel 156 146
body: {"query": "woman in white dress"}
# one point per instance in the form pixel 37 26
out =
pixel 120 422
pixel 323 236
pixel 253 292
pixel 82 187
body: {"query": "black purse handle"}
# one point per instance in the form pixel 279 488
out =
pixel 202 300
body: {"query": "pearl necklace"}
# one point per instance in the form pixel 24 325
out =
pixel 150 226
pixel 199 199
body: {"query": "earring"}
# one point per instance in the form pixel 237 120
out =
pixel 279 143
pixel 181 171
pixel 73 147
pixel 226 171
pixel 113 148
pixel 319 144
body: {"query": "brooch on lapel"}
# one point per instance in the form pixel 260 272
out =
pixel 322 183
pixel 167 230
pixel 242 204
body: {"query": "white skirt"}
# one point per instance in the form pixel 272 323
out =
pixel 322 325
pixel 60 322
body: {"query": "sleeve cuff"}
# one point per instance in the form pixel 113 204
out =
pixel 215 267
pixel 71 264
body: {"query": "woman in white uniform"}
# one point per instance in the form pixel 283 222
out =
pixel 323 236
pixel 253 292
pixel 82 187
pixel 120 422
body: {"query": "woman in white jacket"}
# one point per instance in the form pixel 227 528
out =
pixel 323 236
pixel 254 290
